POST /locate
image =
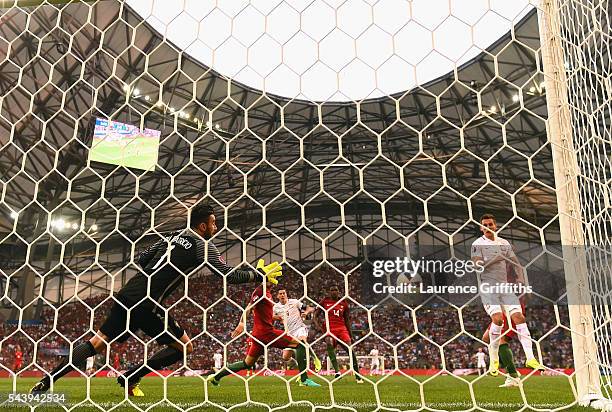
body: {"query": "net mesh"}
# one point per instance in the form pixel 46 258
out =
pixel 326 135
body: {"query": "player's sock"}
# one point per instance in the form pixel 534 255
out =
pixel 300 356
pixel 506 360
pixel 525 339
pixel 80 353
pixel 159 360
pixel 232 367
pixel 331 352
pixel 355 365
pixel 312 353
pixel 494 335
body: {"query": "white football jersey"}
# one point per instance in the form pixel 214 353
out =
pixel 374 352
pixel 218 358
pixel 486 250
pixel 291 313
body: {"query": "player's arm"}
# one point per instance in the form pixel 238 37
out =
pixel 149 253
pixel 519 270
pixel 347 321
pixel 236 276
pixel 308 311
pixel 242 323
pixel 315 319
pixel 277 314
pixel 218 265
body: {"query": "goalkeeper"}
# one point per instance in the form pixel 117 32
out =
pixel 165 266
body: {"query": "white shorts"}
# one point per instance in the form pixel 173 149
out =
pixel 301 333
pixel 507 303
pixel 481 365
pixel 374 364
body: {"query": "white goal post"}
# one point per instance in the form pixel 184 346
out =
pixel 570 126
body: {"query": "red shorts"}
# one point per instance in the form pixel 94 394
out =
pixel 270 338
pixel 341 335
pixel 17 365
pixel 509 333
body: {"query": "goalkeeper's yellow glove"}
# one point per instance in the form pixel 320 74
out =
pixel 271 271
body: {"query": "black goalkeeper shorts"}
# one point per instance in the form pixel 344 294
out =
pixel 146 320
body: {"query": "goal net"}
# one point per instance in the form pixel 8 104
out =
pixel 362 144
pixel 368 365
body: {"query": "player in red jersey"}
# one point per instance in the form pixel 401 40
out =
pixel 338 329
pixel 264 333
pixel 18 359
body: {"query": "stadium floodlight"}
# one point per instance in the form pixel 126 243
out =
pixel 94 228
pixel 515 98
pixel 147 98
pixel 136 92
pixel 14 215
pixel 75 226
pixel 493 109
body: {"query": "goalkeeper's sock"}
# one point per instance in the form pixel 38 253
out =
pixel 506 360
pixel 233 367
pixel 331 352
pixel 525 339
pixel 159 360
pixel 494 337
pixel 300 356
pixel 80 353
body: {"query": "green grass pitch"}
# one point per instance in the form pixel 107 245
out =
pixel 139 153
pixel 396 393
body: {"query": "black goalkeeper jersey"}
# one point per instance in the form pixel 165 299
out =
pixel 162 276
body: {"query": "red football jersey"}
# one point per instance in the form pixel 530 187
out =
pixel 263 311
pixel 335 310
pixel 18 355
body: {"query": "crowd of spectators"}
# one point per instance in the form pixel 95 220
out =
pixel 437 340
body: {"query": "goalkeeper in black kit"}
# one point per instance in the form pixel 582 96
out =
pixel 165 266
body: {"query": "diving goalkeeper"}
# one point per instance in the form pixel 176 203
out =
pixel 165 266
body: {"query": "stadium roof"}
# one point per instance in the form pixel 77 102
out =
pixel 313 51
pixel 80 61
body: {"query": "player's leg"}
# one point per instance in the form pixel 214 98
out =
pixel 506 358
pixel 300 357
pixel 302 336
pixel 524 336
pixel 247 363
pixel 253 352
pixel 495 332
pixel 331 342
pixel 114 325
pixel 346 344
pixel 288 357
pixel 173 337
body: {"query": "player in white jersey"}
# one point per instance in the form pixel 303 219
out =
pixel 218 358
pixel 374 361
pixel 480 362
pixel 290 312
pixel 497 257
